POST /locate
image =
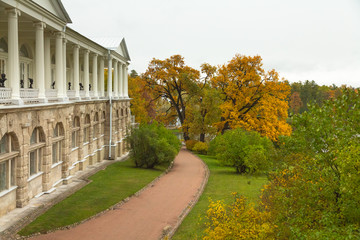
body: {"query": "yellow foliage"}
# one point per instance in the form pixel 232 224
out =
pixel 253 99
pixel 237 221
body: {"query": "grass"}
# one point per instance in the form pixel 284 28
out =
pixel 222 182
pixel 108 187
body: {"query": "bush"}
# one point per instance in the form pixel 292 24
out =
pixel 201 147
pixel 151 145
pixel 248 152
pixel 238 220
pixel 190 144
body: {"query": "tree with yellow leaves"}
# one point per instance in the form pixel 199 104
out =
pixel 253 99
pixel 174 82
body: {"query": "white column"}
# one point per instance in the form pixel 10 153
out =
pixel 119 80
pixel 101 77
pixel 40 61
pixel 13 55
pixel 123 81
pixel 59 61
pixel 109 83
pixel 95 75
pixel 86 74
pixel 126 83
pixel 76 86
pixel 115 78
pixel 64 70
pixel 47 59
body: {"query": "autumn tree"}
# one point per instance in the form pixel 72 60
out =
pixel 174 82
pixel 252 98
pixel 295 102
pixel 141 105
pixel 202 112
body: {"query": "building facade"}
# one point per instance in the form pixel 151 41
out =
pixel 57 116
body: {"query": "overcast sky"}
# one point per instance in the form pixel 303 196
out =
pixel 301 39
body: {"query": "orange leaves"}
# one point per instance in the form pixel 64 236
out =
pixel 253 99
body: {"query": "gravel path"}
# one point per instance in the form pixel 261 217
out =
pixel 146 216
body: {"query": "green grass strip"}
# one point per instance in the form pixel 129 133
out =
pixel 222 182
pixel 108 187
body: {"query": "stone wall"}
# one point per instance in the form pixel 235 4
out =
pixel 20 123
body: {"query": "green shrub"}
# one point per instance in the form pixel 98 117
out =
pixel 151 145
pixel 190 144
pixel 247 152
pixel 201 147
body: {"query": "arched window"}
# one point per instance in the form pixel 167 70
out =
pixel 37 143
pixel 58 138
pixel 8 155
pixel 96 124
pixel 103 123
pixel 87 129
pixel 75 133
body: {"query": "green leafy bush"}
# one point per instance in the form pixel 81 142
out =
pixel 190 144
pixel 315 192
pixel 151 145
pixel 247 152
pixel 201 147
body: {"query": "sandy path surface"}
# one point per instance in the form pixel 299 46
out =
pixel 145 216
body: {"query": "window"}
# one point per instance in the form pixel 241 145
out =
pixel 37 144
pixel 3 55
pixel 2 66
pixel 87 129
pixel 116 122
pixel 7 163
pixel 25 67
pixel 96 124
pixel 58 137
pixel 103 123
pixel 75 133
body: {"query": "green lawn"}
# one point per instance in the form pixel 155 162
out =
pixel 108 187
pixel 222 182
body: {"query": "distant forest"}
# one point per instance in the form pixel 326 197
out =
pixel 306 92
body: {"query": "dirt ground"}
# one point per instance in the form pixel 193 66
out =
pixel 145 216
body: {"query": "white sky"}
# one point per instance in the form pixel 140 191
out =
pixel 301 39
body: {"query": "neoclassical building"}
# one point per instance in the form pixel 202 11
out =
pixel 58 115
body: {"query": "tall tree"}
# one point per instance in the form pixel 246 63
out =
pixel 141 105
pixel 203 112
pixel 253 99
pixel 174 82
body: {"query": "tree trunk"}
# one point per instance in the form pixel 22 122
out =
pixel 202 137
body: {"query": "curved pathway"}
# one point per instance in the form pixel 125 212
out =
pixel 145 216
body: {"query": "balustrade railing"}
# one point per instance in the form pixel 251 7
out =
pixel 5 93
pixel 71 94
pixel 29 93
pixel 92 93
pixel 82 93
pixel 51 93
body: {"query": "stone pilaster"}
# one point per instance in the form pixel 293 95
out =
pixel 65 172
pixel 47 156
pixel 22 173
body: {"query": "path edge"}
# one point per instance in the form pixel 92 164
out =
pixel 113 207
pixel 168 232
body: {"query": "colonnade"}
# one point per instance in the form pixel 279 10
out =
pixel 56 85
